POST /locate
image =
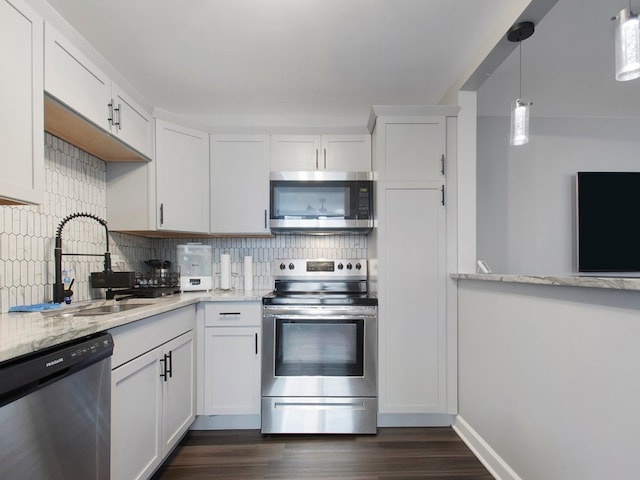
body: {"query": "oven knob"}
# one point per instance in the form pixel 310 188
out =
pixel 340 266
pixel 282 266
pixel 349 266
pixel 358 266
pixel 291 266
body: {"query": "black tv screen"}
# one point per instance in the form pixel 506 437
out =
pixel 608 221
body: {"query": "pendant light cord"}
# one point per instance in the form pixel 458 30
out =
pixel 520 91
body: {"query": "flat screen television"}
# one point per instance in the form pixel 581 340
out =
pixel 608 222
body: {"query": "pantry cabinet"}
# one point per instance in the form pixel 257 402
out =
pixel 152 391
pixel 21 116
pixel 321 153
pixel 84 90
pixel 410 249
pixel 410 149
pixel 232 358
pixel 411 289
pixel 239 184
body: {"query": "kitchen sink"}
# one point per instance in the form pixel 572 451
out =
pixel 99 310
pixel 114 308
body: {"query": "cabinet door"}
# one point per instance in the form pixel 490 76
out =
pixel 412 320
pixel 239 183
pixel 295 152
pixel 232 370
pixel 131 123
pixel 346 153
pixel 179 394
pixel 413 152
pixel 136 413
pixel 21 117
pixel 76 82
pixel 182 178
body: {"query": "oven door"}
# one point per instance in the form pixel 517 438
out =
pixel 319 352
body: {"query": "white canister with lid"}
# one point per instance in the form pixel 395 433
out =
pixel 194 262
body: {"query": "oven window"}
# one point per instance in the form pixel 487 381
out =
pixel 319 348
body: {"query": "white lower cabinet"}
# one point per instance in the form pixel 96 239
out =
pixel 232 358
pixel 152 391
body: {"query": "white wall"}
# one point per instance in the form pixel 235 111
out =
pixel 548 377
pixel 526 194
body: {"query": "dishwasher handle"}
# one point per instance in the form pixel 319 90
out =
pixel 26 374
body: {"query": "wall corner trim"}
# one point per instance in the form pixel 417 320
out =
pixel 496 465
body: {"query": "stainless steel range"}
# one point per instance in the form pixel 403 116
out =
pixel 319 351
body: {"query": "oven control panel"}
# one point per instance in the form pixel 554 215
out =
pixel 321 268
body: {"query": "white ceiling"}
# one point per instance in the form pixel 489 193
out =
pixel 567 66
pixel 325 62
pixel 282 61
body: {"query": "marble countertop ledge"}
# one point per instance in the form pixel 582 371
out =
pixel 25 333
pixel 614 283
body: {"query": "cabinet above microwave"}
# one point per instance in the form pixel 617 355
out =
pixel 321 202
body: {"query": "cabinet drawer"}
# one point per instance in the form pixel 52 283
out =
pixel 134 339
pixel 232 314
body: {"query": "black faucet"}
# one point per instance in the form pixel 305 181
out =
pixel 59 292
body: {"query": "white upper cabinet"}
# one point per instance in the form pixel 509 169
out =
pixel 347 153
pixel 182 178
pixel 321 152
pixel 77 83
pixel 239 184
pixel 130 122
pixel 21 117
pixel 411 150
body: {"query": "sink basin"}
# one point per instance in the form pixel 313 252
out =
pixel 99 310
pixel 107 309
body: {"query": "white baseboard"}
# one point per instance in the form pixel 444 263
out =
pixel 415 420
pixel 481 449
pixel 226 422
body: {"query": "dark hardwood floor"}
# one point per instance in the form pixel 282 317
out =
pixel 392 454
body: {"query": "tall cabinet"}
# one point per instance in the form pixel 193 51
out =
pixel 21 117
pixel 413 150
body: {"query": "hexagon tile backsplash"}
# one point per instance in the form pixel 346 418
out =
pixel 75 181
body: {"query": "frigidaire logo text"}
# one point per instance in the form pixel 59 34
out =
pixel 54 362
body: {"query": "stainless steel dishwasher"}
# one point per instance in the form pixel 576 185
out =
pixel 55 412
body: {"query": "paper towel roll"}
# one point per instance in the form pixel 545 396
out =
pixel 225 271
pixel 248 274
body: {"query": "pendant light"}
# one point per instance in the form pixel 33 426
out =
pixel 519 107
pixel 627 40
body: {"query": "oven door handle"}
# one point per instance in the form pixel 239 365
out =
pixel 319 316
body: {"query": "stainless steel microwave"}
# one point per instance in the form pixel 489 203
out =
pixel 321 202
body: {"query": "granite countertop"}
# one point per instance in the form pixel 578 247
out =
pixel 24 333
pixel 615 283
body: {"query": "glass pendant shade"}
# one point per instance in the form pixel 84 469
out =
pixel 519 122
pixel 627 40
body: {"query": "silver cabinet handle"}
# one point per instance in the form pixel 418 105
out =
pixel 316 159
pixel 325 158
pixel 442 163
pixel 119 112
pixel 265 218
pixel 110 115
